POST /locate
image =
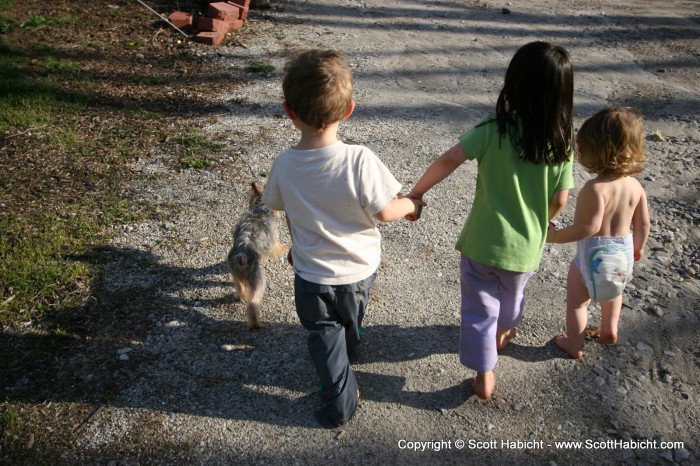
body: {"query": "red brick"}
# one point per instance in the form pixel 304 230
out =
pixel 243 5
pixel 224 11
pixel 210 37
pixel 237 24
pixel 215 25
pixel 180 19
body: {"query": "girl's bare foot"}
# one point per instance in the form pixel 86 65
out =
pixel 562 341
pixel 483 384
pixel 503 337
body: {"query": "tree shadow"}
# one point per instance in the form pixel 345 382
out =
pixel 144 340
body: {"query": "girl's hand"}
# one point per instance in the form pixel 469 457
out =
pixel 551 232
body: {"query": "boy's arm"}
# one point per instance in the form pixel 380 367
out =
pixel 588 218
pixel 398 208
pixel 640 227
pixel 558 202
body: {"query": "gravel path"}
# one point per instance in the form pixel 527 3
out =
pixel 205 390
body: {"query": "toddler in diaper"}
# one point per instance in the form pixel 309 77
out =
pixel 611 224
pixel 605 264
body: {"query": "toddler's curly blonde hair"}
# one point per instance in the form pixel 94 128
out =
pixel 611 142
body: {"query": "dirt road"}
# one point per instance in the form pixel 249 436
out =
pixel 205 390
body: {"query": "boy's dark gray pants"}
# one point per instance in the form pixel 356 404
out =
pixel 332 314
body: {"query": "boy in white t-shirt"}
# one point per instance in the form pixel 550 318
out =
pixel 331 192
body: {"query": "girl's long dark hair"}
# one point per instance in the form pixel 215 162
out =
pixel 534 108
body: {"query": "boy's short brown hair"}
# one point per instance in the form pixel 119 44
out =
pixel 318 87
pixel 611 142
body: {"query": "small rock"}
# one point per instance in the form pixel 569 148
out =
pixel 341 435
pixel 174 324
pixel 667 379
pixel 600 381
pixel 124 350
pixel 667 455
pixel 657 136
pixel 641 346
pixel 681 454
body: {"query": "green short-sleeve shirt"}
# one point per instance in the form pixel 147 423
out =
pixel 507 225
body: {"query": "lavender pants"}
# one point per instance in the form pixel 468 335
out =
pixel 492 299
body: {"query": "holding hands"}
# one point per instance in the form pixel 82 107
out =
pixel 418 203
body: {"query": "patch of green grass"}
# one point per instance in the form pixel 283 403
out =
pixel 12 435
pixel 145 114
pixel 195 163
pixel 260 66
pixel 194 146
pixel 6 25
pixel 28 101
pixel 195 141
pixel 35 276
pixel 34 20
pixel 133 44
pixel 155 80
pixel 55 64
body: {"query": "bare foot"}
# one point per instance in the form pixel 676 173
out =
pixel 607 339
pixel 562 341
pixel 483 384
pixel 603 339
pixel 504 337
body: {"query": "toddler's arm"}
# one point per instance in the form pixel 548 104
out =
pixel 398 208
pixel 640 226
pixel 588 218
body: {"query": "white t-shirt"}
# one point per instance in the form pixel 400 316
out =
pixel 330 195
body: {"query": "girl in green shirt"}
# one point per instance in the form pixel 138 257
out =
pixel 524 155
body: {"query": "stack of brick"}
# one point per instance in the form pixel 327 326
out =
pixel 221 18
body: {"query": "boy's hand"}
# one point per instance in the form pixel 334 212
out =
pixel 418 204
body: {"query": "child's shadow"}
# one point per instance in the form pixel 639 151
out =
pixel 545 352
pixel 394 344
pixel 390 389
